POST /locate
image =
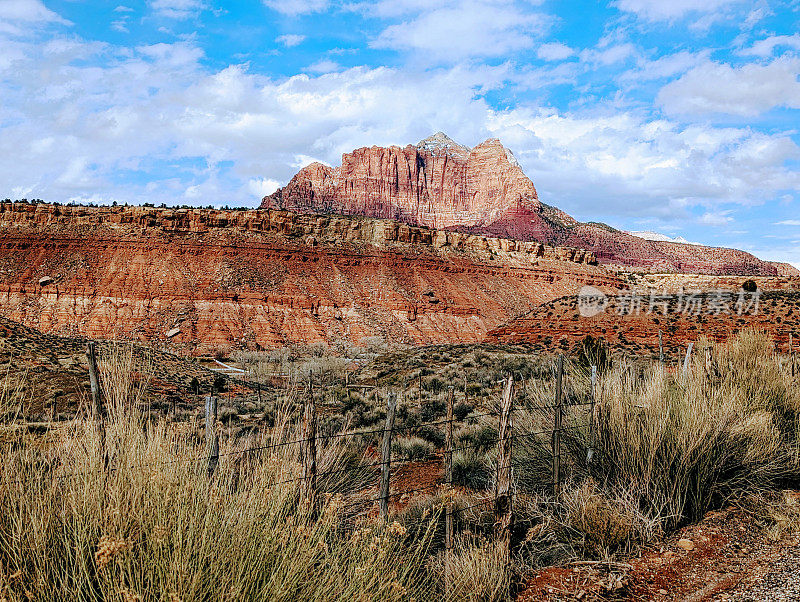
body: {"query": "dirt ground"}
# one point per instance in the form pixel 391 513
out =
pixel 723 557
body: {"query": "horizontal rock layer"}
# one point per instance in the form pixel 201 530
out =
pixel 262 279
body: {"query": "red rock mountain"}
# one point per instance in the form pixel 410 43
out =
pixel 483 190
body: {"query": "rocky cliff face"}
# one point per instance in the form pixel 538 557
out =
pixel 437 183
pixel 197 281
pixel 483 190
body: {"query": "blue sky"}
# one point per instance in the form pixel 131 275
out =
pixel 676 116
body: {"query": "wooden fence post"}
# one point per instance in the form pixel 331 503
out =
pixel 503 502
pixel 97 400
pixel 558 415
pixel 386 454
pixel 709 361
pixel 212 437
pixel 308 449
pixel 791 354
pixel 686 360
pixel 592 424
pixel 94 379
pixel 660 348
pixel 448 478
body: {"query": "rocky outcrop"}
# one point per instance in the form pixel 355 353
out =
pixel 196 281
pixel 483 190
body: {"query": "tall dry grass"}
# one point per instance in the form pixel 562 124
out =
pixel 154 526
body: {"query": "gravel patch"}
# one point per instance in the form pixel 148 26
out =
pixel 780 583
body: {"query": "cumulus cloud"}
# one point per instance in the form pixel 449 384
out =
pixel 644 167
pixel 749 90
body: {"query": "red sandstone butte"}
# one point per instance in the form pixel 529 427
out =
pixel 197 281
pixel 483 190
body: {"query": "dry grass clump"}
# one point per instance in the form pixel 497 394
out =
pixel 682 443
pixel 478 568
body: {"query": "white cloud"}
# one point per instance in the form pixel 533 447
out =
pixel 178 9
pixel 788 222
pixel 123 9
pixel 664 67
pixel 261 187
pixel 324 66
pixel 636 166
pixel 19 17
pixel 297 7
pixel 764 48
pixel 554 51
pixel 77 122
pixel 670 10
pixel 609 55
pixel 290 40
pixel 748 90
pixel 715 219
pixel 28 11
pixel 466 29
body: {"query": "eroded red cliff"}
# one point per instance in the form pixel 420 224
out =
pixel 198 281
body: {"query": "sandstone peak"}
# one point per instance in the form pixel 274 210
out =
pixel 437 183
pixel 439 142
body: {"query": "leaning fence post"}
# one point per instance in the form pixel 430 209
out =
pixel 686 360
pixel 212 437
pixel 557 426
pixel 503 499
pixel 308 448
pixel 448 478
pixel 386 454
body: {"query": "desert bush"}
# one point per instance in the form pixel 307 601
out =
pixel 432 433
pixel 412 448
pixel 685 442
pixel 480 437
pixel 471 469
pixel 432 409
pixel 461 411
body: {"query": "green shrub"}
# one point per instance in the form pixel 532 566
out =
pixel 471 470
